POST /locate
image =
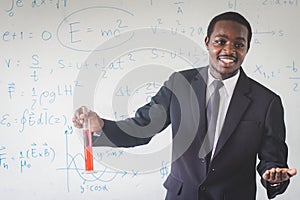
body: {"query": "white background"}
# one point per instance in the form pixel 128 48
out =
pixel 49 68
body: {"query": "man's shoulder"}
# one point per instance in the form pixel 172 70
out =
pixel 192 73
pixel 260 88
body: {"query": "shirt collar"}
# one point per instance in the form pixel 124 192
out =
pixel 229 83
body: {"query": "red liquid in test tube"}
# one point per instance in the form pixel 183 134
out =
pixel 87 139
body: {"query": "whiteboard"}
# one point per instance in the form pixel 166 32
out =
pixel 113 56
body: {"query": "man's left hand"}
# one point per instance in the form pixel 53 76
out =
pixel 278 175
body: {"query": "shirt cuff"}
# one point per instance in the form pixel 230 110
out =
pixel 98 133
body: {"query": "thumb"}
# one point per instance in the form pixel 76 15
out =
pixel 292 172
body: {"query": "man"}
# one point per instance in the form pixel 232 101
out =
pixel 249 123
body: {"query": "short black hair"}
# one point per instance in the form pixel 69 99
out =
pixel 232 16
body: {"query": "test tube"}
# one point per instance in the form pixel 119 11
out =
pixel 87 140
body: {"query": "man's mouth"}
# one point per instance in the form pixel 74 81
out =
pixel 227 59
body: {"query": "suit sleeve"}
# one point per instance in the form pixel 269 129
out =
pixel 274 150
pixel 149 120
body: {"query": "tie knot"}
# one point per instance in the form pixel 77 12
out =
pixel 217 84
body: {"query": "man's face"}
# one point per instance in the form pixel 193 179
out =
pixel 227 48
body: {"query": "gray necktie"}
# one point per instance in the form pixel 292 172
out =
pixel 212 116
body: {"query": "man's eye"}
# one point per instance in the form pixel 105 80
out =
pixel 239 45
pixel 220 42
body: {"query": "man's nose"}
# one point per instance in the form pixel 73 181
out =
pixel 229 48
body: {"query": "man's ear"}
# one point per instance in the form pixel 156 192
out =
pixel 206 40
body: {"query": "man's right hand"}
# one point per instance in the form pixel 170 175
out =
pixel 96 123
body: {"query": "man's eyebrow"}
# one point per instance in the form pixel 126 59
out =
pixel 225 36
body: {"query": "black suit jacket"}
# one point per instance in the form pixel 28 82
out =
pixel 254 126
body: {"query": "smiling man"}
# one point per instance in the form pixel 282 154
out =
pixel 227 46
pixel 215 145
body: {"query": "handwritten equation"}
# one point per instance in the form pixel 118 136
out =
pixel 290 72
pixel 38 113
pixel 14 5
pixel 23 161
pixel 101 178
pixel 41 62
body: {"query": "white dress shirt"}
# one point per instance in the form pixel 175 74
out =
pixel 225 96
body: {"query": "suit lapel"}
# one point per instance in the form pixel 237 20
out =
pixel 198 107
pixel 238 105
pixel 198 104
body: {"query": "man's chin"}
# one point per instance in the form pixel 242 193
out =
pixel 224 71
pixel 228 73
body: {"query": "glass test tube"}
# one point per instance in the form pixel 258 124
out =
pixel 87 139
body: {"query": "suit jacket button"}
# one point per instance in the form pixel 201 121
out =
pixel 202 188
pixel 202 160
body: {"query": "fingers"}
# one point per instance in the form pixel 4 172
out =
pixel 266 175
pixel 79 116
pixel 82 113
pixel 269 175
pixel 277 175
pixel 77 122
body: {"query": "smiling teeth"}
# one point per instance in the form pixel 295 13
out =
pixel 227 60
